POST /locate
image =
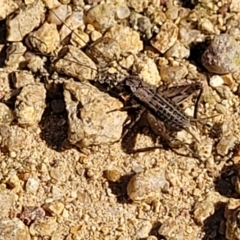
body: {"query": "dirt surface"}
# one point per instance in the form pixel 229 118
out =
pixel 65 172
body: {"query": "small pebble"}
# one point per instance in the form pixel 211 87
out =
pixel 54 208
pixel 32 185
pixel 112 175
pixel 147 186
pixel 123 12
pixel 143 229
pixel 166 38
pixel 216 81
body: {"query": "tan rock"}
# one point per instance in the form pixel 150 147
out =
pixel 147 186
pixel 16 25
pixel 75 63
pixel 46 39
pixel 15 53
pixel 97 125
pixel 43 227
pixel 6 114
pixel 166 37
pixel 14 229
pixel 7 7
pixel 128 39
pixel 54 208
pixel 102 16
pixel 30 104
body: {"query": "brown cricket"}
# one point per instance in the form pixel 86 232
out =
pixel 161 107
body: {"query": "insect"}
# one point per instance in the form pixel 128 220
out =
pixel 160 108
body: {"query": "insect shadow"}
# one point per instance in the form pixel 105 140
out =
pixel 214 222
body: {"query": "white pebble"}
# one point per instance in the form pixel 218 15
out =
pixel 32 185
pixel 216 81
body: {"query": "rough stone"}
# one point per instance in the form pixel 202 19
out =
pixel 14 229
pixel 16 24
pixel 30 104
pixel 96 126
pixel 166 37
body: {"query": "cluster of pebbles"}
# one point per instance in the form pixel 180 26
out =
pixel 63 174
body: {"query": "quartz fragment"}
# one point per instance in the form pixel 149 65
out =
pixel 172 12
pixel 138 5
pixel 13 138
pixel 51 3
pixel 122 12
pixel 231 206
pixel 112 175
pixel 54 208
pixel 32 185
pixel 188 36
pixel 143 229
pixel 216 81
pixel 7 199
pixel 235 6
pixel 222 56
pixel 147 69
pixel 58 15
pixel 5 88
pixel 30 104
pixel 206 25
pixel 205 208
pixel 79 38
pixel 226 144
pixel 35 63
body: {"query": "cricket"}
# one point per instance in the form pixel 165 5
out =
pixel 161 107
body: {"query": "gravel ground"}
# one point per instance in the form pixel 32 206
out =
pixel 65 172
